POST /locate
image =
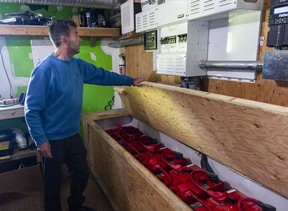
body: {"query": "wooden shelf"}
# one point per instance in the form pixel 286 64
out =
pixel 43 31
pixel 19 154
pixel 11 112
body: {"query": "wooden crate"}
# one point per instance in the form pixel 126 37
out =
pixel 246 136
pixel 125 181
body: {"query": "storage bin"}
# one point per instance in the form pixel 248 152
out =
pixel 248 137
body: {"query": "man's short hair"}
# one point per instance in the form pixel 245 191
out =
pixel 60 28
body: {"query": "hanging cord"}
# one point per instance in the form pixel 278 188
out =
pixel 5 70
pixel 206 166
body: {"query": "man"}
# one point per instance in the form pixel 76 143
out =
pixel 52 111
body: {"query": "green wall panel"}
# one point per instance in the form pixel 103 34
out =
pixel 19 49
pixel 95 98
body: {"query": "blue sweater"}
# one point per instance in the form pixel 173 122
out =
pixel 54 96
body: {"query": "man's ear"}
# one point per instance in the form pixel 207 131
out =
pixel 63 39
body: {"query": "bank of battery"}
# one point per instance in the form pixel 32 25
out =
pixel 199 189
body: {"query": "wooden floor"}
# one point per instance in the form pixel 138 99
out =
pixel 33 201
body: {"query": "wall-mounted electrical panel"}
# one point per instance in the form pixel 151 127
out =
pixel 150 40
pixel 231 28
pixel 172 54
pixel 234 39
pixel 215 9
pixel 172 11
pixel 128 11
pixel 173 57
pixel 165 13
pixel 197 49
pixel 147 20
pixel 189 31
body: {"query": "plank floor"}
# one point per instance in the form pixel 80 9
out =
pixel 33 201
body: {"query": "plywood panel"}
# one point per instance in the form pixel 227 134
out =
pixel 268 91
pixel 248 136
pixel 86 118
pixel 126 182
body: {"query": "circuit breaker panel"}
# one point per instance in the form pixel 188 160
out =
pixel 171 58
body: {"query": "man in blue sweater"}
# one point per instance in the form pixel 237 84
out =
pixel 52 110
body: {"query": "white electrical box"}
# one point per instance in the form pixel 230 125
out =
pixel 171 12
pixel 127 17
pixel 215 9
pixel 171 64
pixel 128 11
pixel 172 56
pixel 197 48
pixel 147 20
pixel 166 13
pixel 172 49
pixel 236 39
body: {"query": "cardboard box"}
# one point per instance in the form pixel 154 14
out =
pixel 21 172
pixel 22 180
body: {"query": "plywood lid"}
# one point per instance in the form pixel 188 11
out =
pixel 248 136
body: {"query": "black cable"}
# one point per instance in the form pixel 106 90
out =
pixel 202 85
pixel 205 164
pixel 5 70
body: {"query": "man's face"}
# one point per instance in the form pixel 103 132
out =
pixel 73 41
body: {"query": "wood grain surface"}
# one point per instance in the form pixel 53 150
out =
pixel 247 136
pixel 126 182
